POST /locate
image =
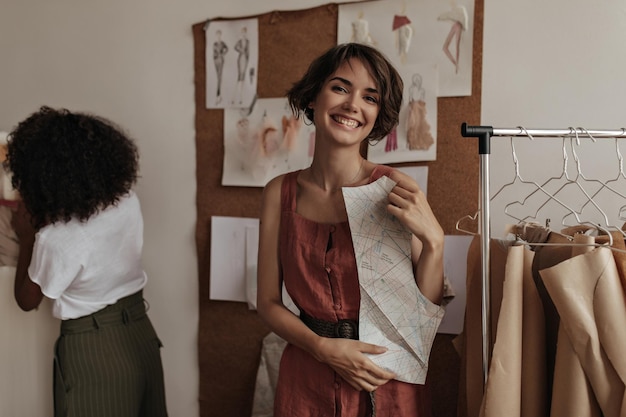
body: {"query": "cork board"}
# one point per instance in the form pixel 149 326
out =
pixel 229 334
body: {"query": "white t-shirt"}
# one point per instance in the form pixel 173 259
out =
pixel 85 266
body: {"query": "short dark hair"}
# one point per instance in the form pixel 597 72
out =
pixel 69 165
pixel 389 84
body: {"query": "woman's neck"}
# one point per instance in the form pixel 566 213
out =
pixel 332 175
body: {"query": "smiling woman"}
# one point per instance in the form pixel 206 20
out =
pixel 351 94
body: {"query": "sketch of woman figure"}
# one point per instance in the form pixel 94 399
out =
pixel 219 51
pixel 243 48
pixel 361 31
pixel 404 32
pixel 458 16
pixel 418 136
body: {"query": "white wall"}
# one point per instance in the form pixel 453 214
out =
pixel 130 61
pixel 552 64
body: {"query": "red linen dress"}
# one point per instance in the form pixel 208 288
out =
pixel 320 273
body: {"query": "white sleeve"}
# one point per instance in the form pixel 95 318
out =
pixel 51 266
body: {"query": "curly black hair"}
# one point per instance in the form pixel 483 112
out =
pixel 389 83
pixel 70 165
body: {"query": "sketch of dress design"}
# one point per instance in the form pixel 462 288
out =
pixel 219 51
pixel 269 137
pixel 404 32
pixel 291 128
pixel 361 31
pixel 458 16
pixel 243 49
pixel 418 135
pixel 391 141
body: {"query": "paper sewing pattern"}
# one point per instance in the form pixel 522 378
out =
pixel 393 312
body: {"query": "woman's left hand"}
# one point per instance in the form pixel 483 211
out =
pixel 407 202
pixel 22 223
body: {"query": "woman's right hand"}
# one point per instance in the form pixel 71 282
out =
pixel 348 358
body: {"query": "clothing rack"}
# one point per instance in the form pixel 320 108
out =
pixel 484 135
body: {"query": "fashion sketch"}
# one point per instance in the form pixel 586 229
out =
pixel 418 135
pixel 404 32
pixel 243 49
pixel 391 140
pixel 262 142
pixel 457 16
pixel 361 31
pixel 219 52
pixel 232 55
pixel 412 33
pixel 415 136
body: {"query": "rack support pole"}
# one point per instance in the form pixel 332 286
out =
pixel 483 133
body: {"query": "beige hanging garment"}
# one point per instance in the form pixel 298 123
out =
pixel 534 380
pixel 517 375
pixel 469 342
pixel 572 395
pixel 619 255
pixel 503 390
pixel 588 295
pixel 558 250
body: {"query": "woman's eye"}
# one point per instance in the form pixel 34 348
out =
pixel 339 88
pixel 371 99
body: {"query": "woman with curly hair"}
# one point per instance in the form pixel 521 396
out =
pixel 80 230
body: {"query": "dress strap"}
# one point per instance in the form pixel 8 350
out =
pixel 288 192
pixel 380 171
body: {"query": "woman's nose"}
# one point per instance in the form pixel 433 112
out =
pixel 350 103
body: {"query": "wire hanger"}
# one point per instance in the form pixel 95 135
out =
pixel 621 175
pixel 473 218
pixel 551 197
pixel 518 178
pixel 603 185
pixel 542 187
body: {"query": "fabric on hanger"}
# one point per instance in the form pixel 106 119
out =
pixel 514 390
pixel 589 297
pixel 469 342
pixel 503 390
pixel 574 397
pixel 619 255
pixel 552 381
pixel 531 388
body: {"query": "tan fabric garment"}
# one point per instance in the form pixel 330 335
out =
pixel 503 390
pixel 517 375
pixel 572 396
pixel 573 393
pixel 469 343
pixel 619 255
pixel 588 295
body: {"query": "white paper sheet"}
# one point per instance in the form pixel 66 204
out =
pixel 230 251
pixel 393 312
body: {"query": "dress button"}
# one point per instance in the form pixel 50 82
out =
pixel 337 306
pixel 337 385
pixel 332 229
pixel 327 269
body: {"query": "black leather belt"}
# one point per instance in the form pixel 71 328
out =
pixel 345 329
